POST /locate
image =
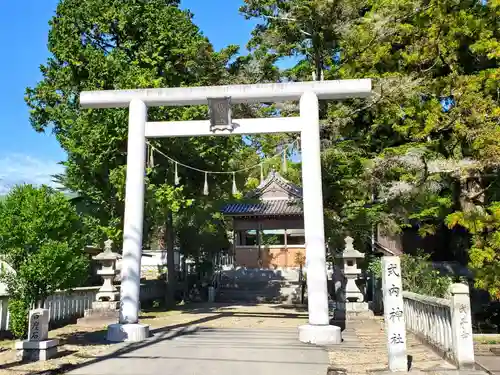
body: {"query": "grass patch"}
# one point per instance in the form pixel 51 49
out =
pixel 489 339
pixel 6 344
pixel 155 314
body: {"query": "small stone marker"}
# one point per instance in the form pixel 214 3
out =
pixel 461 323
pixel 38 347
pixel 38 329
pixel 211 294
pixel 393 313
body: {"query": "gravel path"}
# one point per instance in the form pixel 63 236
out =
pixel 364 350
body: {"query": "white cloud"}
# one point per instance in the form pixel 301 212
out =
pixel 20 168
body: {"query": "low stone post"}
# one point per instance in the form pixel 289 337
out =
pixel 37 347
pixel 211 294
pixel 461 326
pixel 395 327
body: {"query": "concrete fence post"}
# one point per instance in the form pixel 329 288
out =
pixel 461 326
pixel 211 294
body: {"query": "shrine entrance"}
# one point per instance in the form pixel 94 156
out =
pixel 219 98
pixel 268 231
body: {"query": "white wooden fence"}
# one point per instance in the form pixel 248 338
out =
pixel 66 305
pixel 445 324
pixel 429 318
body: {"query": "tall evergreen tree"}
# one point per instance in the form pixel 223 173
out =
pixel 105 45
pixel 425 145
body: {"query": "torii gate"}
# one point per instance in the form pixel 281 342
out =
pixel 318 331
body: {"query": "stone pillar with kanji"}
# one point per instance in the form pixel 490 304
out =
pixel 37 347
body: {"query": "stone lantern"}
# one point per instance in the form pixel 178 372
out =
pixel 107 259
pixel 105 309
pixel 350 300
pixel 351 272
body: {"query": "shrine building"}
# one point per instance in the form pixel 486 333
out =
pixel 268 226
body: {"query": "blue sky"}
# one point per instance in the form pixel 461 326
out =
pixel 26 156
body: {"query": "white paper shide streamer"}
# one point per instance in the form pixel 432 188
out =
pixel 151 162
pixel 285 165
pixel 205 188
pixel 235 188
pixel 177 181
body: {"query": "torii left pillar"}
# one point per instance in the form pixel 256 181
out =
pixel 128 328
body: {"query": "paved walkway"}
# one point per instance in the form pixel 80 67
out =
pixel 213 347
pixel 489 362
pixel 225 339
pixel 211 351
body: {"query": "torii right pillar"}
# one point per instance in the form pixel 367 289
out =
pixel 318 331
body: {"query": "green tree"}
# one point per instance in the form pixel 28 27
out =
pixel 406 156
pixel 430 130
pixel 41 239
pixel 484 255
pixel 312 31
pixel 133 44
pixel 418 275
pixel 98 45
pixel 308 29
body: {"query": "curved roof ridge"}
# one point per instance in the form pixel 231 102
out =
pixel 275 176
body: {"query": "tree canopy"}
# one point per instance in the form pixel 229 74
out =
pixel 41 239
pixel 133 44
pixel 421 153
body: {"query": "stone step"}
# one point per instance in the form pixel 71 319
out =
pixel 250 275
pixel 101 313
pixel 258 286
pixel 249 296
pixel 243 294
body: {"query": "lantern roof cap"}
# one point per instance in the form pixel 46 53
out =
pixel 349 250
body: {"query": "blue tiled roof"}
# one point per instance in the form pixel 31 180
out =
pixel 277 178
pixel 269 207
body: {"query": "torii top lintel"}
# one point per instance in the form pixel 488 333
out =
pixel 257 93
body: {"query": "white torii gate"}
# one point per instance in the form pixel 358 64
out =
pixel 318 331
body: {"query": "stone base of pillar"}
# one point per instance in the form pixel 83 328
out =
pixel 320 335
pixel 351 311
pixel 127 332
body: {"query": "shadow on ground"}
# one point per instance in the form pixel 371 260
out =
pixel 167 332
pixel 83 338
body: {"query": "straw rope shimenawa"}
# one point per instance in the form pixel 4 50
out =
pixel 150 163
